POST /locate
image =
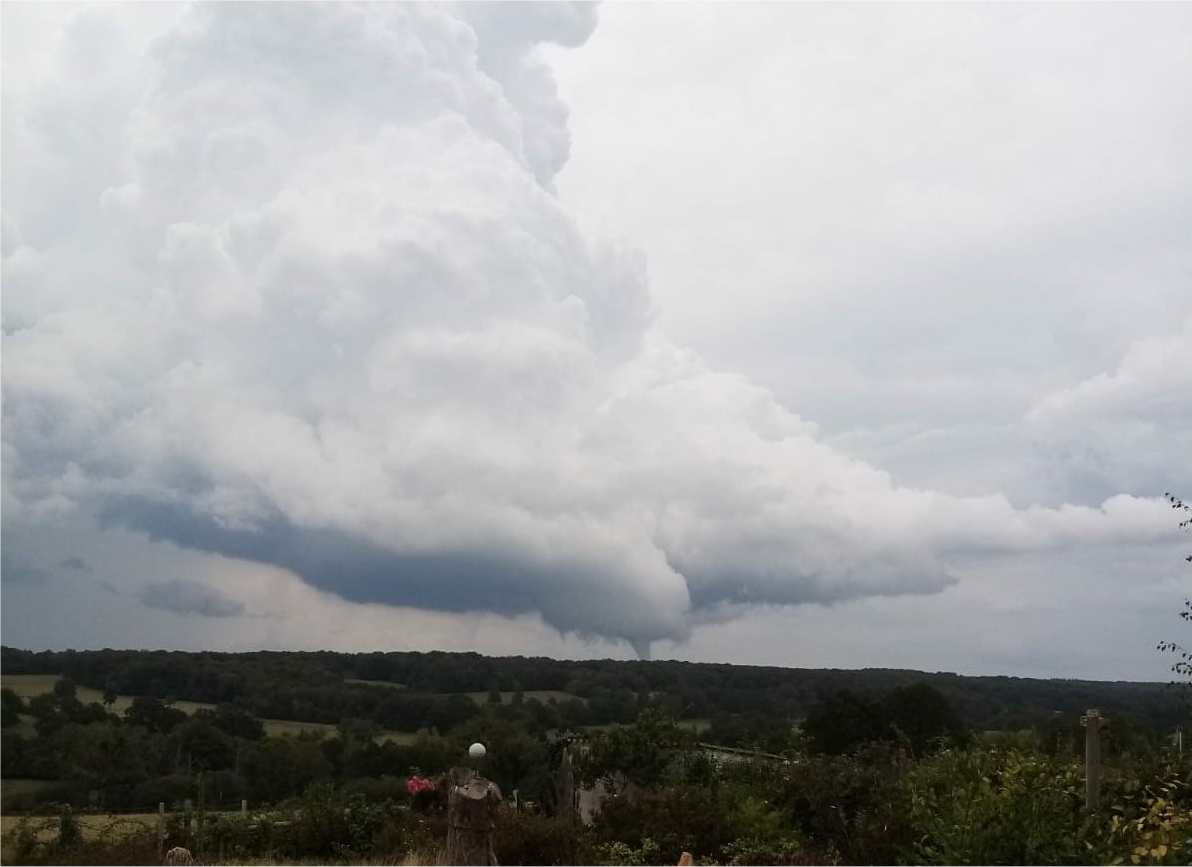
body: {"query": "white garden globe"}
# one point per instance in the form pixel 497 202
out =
pixel 476 751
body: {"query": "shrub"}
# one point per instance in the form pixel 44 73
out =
pixel 998 807
pixel 849 807
pixel 529 838
pixel 676 818
pixel 619 853
pixel 328 824
pixel 1148 825
pixel 69 833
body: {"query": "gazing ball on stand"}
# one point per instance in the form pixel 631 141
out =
pixel 476 751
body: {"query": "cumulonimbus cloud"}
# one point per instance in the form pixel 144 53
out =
pixel 292 285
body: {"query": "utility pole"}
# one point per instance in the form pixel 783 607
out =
pixel 1093 722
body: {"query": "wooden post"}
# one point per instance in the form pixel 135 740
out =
pixel 244 808
pixel 567 797
pixel 186 823
pixel 161 827
pixel 1093 722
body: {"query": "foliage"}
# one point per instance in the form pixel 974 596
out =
pixel 11 708
pixel 998 807
pixel 1150 825
pixel 888 778
pixel 761 850
pixel 1182 667
pixel 617 852
pixel 516 758
pixel 917 716
pixel 853 808
pixel 232 721
pixel 38 841
pixel 751 703
pixel 642 753
pixel 676 817
pixel 327 824
pixel 69 834
pixel 153 714
pixel 528 838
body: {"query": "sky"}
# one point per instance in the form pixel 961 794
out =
pixel 819 335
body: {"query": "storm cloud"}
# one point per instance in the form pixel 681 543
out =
pixel 293 285
pixel 18 571
pixel 188 598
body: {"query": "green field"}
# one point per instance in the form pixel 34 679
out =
pixel 29 685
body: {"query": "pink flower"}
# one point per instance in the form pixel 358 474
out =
pixel 414 785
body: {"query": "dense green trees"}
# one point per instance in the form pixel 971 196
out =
pixel 642 753
pixel 749 705
pixel 153 714
pixel 11 708
pixel 624 713
pixel 1002 800
pixel 917 717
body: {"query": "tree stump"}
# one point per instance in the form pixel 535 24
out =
pixel 471 818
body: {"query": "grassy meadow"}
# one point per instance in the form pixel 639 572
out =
pixel 29 685
pixel 91 825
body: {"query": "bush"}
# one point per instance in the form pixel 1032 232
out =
pixel 30 842
pixel 41 841
pixel 378 788
pixel 61 792
pixel 172 790
pixel 406 834
pixel 998 807
pixel 528 838
pixel 69 833
pixel 676 818
pixel 329 824
pixel 1149 824
pixel 619 853
pixel 849 807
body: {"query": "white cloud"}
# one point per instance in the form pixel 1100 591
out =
pixel 306 297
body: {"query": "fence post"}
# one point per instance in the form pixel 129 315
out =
pixel 244 808
pixel 161 826
pixel 186 805
pixel 1093 722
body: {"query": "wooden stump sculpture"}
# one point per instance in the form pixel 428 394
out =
pixel 471 818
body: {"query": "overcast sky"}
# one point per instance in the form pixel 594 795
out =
pixel 800 334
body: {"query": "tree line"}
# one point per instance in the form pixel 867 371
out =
pixel 745 702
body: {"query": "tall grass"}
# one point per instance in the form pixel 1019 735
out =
pixel 413 860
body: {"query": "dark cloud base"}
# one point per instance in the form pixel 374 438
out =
pixel 189 598
pixel 360 571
